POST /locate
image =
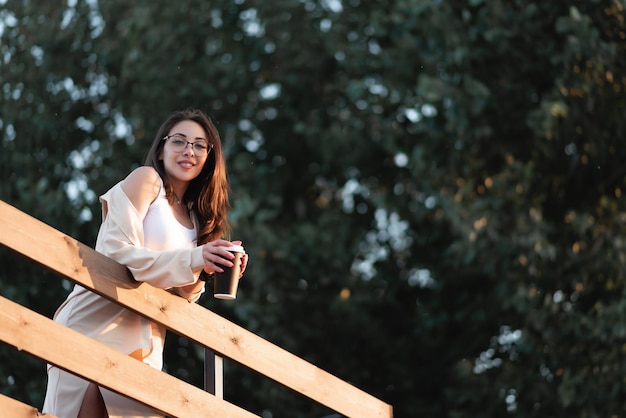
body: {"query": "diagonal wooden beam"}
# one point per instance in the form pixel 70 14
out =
pixel 81 264
pixel 16 409
pixel 56 344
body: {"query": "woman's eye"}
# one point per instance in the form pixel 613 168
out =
pixel 200 147
pixel 177 141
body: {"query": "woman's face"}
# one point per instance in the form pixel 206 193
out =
pixel 185 151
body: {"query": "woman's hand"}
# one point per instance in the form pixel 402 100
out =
pixel 216 256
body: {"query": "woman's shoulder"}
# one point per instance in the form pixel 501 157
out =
pixel 144 174
pixel 142 186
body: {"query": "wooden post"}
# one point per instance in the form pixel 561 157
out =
pixel 213 373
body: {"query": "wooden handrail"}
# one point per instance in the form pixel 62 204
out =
pixel 16 409
pixel 81 264
pixel 65 348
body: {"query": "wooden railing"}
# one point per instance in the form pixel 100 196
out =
pixel 38 335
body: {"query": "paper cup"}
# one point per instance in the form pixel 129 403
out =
pixel 226 283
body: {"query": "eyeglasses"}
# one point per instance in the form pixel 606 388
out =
pixel 179 143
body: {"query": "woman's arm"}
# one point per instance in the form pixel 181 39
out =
pixel 121 235
pixel 121 238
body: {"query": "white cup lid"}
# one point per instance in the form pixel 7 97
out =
pixel 236 249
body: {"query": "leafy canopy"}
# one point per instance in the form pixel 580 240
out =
pixel 430 192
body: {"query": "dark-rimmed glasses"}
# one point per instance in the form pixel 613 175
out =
pixel 178 143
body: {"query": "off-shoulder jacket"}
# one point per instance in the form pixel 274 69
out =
pixel 121 238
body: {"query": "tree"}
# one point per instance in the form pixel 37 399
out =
pixel 429 191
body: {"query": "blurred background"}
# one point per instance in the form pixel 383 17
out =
pixel 430 191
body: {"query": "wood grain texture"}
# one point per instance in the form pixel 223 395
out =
pixel 12 408
pixel 84 266
pixel 40 336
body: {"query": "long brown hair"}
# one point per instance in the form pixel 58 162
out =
pixel 208 193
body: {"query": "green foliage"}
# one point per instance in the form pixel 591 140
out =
pixel 430 192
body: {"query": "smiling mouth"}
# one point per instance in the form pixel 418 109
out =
pixel 186 164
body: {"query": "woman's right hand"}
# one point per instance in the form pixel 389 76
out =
pixel 215 256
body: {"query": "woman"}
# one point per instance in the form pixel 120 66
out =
pixel 152 222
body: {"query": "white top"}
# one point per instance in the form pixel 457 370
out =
pixel 161 229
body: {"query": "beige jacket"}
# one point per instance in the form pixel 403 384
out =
pixel 121 238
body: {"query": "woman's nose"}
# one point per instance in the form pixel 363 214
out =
pixel 188 149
